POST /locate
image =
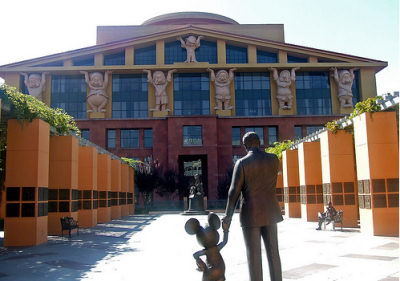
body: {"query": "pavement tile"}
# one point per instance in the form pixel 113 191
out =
pixel 370 257
pixel 303 271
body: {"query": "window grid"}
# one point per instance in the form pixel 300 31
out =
pixel 130 99
pixel 115 59
pixel 207 52
pixel 235 54
pixel 313 93
pixel 129 138
pixel 111 138
pixel 298 132
pixel 145 56
pixel 272 135
pixel 236 136
pixel 148 138
pixel 191 94
pixel 69 93
pixel 258 130
pixel 355 88
pixel 192 136
pixel 83 61
pixel 252 94
pixel 313 129
pixel 294 59
pixel 266 57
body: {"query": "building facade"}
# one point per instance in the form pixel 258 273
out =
pixel 184 88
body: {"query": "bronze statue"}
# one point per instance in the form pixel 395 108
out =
pixel 254 176
pixel 196 195
pixel 208 237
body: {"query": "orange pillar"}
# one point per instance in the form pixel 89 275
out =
pixel 87 185
pixel 131 191
pixel 291 184
pixel 377 157
pixel 103 187
pixel 63 181
pixel 115 188
pixel 279 187
pixel 310 178
pixel 124 189
pixel 27 177
pixel 339 175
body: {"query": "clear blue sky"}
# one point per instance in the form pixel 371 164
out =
pixel 366 28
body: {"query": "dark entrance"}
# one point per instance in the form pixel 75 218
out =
pixel 189 165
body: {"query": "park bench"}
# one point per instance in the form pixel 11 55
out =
pixel 336 219
pixel 68 223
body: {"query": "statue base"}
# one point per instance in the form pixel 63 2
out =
pixel 194 213
pixel 160 113
pixel 196 206
pixel 223 112
pixel 97 115
pixel 346 110
pixel 286 111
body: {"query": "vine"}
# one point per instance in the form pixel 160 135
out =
pixel 279 147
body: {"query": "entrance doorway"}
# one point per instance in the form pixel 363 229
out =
pixel 190 165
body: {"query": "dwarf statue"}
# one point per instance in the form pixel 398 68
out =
pixel 160 83
pixel 97 97
pixel 190 44
pixel 222 83
pixel 35 84
pixel 284 81
pixel 344 80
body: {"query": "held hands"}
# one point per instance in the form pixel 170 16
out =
pixel 226 223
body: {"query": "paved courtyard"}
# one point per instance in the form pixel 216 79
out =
pixel 156 247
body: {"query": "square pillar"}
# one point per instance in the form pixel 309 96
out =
pixel 103 187
pixel 124 190
pixel 87 186
pixel 310 178
pixel 63 181
pixel 291 186
pixel 339 175
pixel 279 187
pixel 377 158
pixel 115 189
pixel 27 178
pixel 131 190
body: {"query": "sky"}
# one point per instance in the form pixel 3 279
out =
pixel 365 28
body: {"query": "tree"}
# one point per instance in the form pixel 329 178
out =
pixel 147 179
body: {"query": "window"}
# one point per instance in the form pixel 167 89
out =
pixel 236 136
pixel 266 57
pixel 207 52
pixel 192 136
pixel 85 134
pixel 88 61
pixel 174 52
pixel 129 98
pixel 298 132
pixel 191 94
pixel 69 93
pixel 313 129
pixel 272 135
pixel 49 64
pixel 313 93
pixel 235 54
pixel 252 93
pixel 129 138
pixel 148 138
pixel 115 59
pixel 111 138
pixel 145 56
pixel 259 131
pixel 355 88
pixel 294 59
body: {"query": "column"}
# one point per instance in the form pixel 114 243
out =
pixel 63 181
pixel 279 188
pixel 131 191
pixel 87 186
pixel 27 177
pixel 291 184
pixel 377 158
pixel 310 178
pixel 115 189
pixel 103 187
pixel 124 190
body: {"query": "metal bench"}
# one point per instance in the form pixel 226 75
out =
pixel 68 223
pixel 336 219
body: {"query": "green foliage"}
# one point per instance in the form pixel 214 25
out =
pixel 333 126
pixel 132 162
pixel 279 147
pixel 25 107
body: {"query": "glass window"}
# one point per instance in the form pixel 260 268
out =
pixel 148 138
pixel 111 138
pixel 88 61
pixel 313 129
pixel 145 56
pixel 207 52
pixel 174 52
pixel 53 63
pixel 272 135
pixel 130 99
pixel 235 54
pixel 236 136
pixel 259 131
pixel 298 132
pixel 129 138
pixel 294 59
pixel 69 93
pixel 85 134
pixel 192 136
pixel 355 88
pixel 266 57
pixel 313 93
pixel 252 94
pixel 191 94
pixel 115 59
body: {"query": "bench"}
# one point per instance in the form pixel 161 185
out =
pixel 68 223
pixel 336 219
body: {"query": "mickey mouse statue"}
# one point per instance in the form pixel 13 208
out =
pixel 208 237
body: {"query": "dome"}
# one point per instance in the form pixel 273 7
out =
pixel 189 18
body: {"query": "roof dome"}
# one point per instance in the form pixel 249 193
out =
pixel 189 18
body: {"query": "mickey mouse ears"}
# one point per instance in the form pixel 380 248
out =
pixel 192 226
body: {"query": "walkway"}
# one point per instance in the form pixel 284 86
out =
pixel 156 247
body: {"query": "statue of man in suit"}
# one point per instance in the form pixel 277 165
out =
pixel 254 177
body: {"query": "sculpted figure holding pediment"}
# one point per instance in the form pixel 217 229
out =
pixel 97 97
pixel 222 81
pixel 190 44
pixel 344 80
pixel 160 83
pixel 35 83
pixel 284 81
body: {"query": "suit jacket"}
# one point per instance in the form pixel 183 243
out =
pixel 254 177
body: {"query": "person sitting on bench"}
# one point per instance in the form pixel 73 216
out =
pixel 328 215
